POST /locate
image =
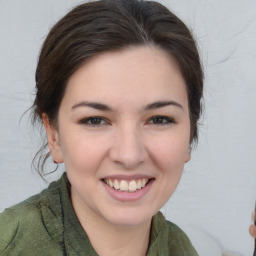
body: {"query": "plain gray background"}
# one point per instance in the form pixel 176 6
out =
pixel 218 188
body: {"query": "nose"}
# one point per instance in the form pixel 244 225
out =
pixel 128 148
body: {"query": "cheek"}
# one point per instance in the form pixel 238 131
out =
pixel 170 151
pixel 83 153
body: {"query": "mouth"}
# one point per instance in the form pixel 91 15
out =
pixel 131 186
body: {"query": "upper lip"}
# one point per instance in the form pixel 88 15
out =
pixel 128 177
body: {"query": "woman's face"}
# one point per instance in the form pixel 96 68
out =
pixel 123 134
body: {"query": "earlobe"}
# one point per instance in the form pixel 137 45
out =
pixel 188 156
pixel 53 140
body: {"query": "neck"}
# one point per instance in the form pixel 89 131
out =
pixel 111 240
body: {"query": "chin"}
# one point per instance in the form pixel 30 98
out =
pixel 129 217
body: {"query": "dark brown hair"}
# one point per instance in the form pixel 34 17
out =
pixel 108 25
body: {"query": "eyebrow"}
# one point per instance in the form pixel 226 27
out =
pixel 94 105
pixel 104 107
pixel 161 104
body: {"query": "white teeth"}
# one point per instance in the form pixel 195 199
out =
pixel 116 185
pixel 132 186
pixel 139 185
pixel 110 183
pixel 124 185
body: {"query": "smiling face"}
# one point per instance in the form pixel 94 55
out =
pixel 123 134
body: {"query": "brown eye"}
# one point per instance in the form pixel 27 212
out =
pixel 93 121
pixel 160 120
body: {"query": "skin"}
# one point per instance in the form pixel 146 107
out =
pixel 128 139
pixel 252 230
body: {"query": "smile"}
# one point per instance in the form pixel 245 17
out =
pixel 127 186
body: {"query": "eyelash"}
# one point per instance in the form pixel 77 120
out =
pixel 89 121
pixel 155 120
pixel 164 120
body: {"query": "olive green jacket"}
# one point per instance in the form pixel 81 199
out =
pixel 46 225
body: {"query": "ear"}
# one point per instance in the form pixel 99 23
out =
pixel 188 156
pixel 53 140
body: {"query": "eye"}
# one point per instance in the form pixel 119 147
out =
pixel 161 120
pixel 93 121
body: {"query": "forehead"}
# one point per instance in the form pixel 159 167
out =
pixel 133 75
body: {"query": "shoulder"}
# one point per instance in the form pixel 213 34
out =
pixel 170 238
pixel 174 229
pixel 178 236
pixel 28 224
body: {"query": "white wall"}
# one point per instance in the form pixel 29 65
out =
pixel 218 188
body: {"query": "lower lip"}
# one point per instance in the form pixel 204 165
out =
pixel 128 196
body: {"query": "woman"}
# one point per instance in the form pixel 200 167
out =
pixel 118 90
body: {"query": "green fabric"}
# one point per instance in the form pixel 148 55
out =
pixel 46 224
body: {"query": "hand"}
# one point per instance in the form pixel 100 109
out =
pixel 252 230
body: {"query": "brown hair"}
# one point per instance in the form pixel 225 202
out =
pixel 108 25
